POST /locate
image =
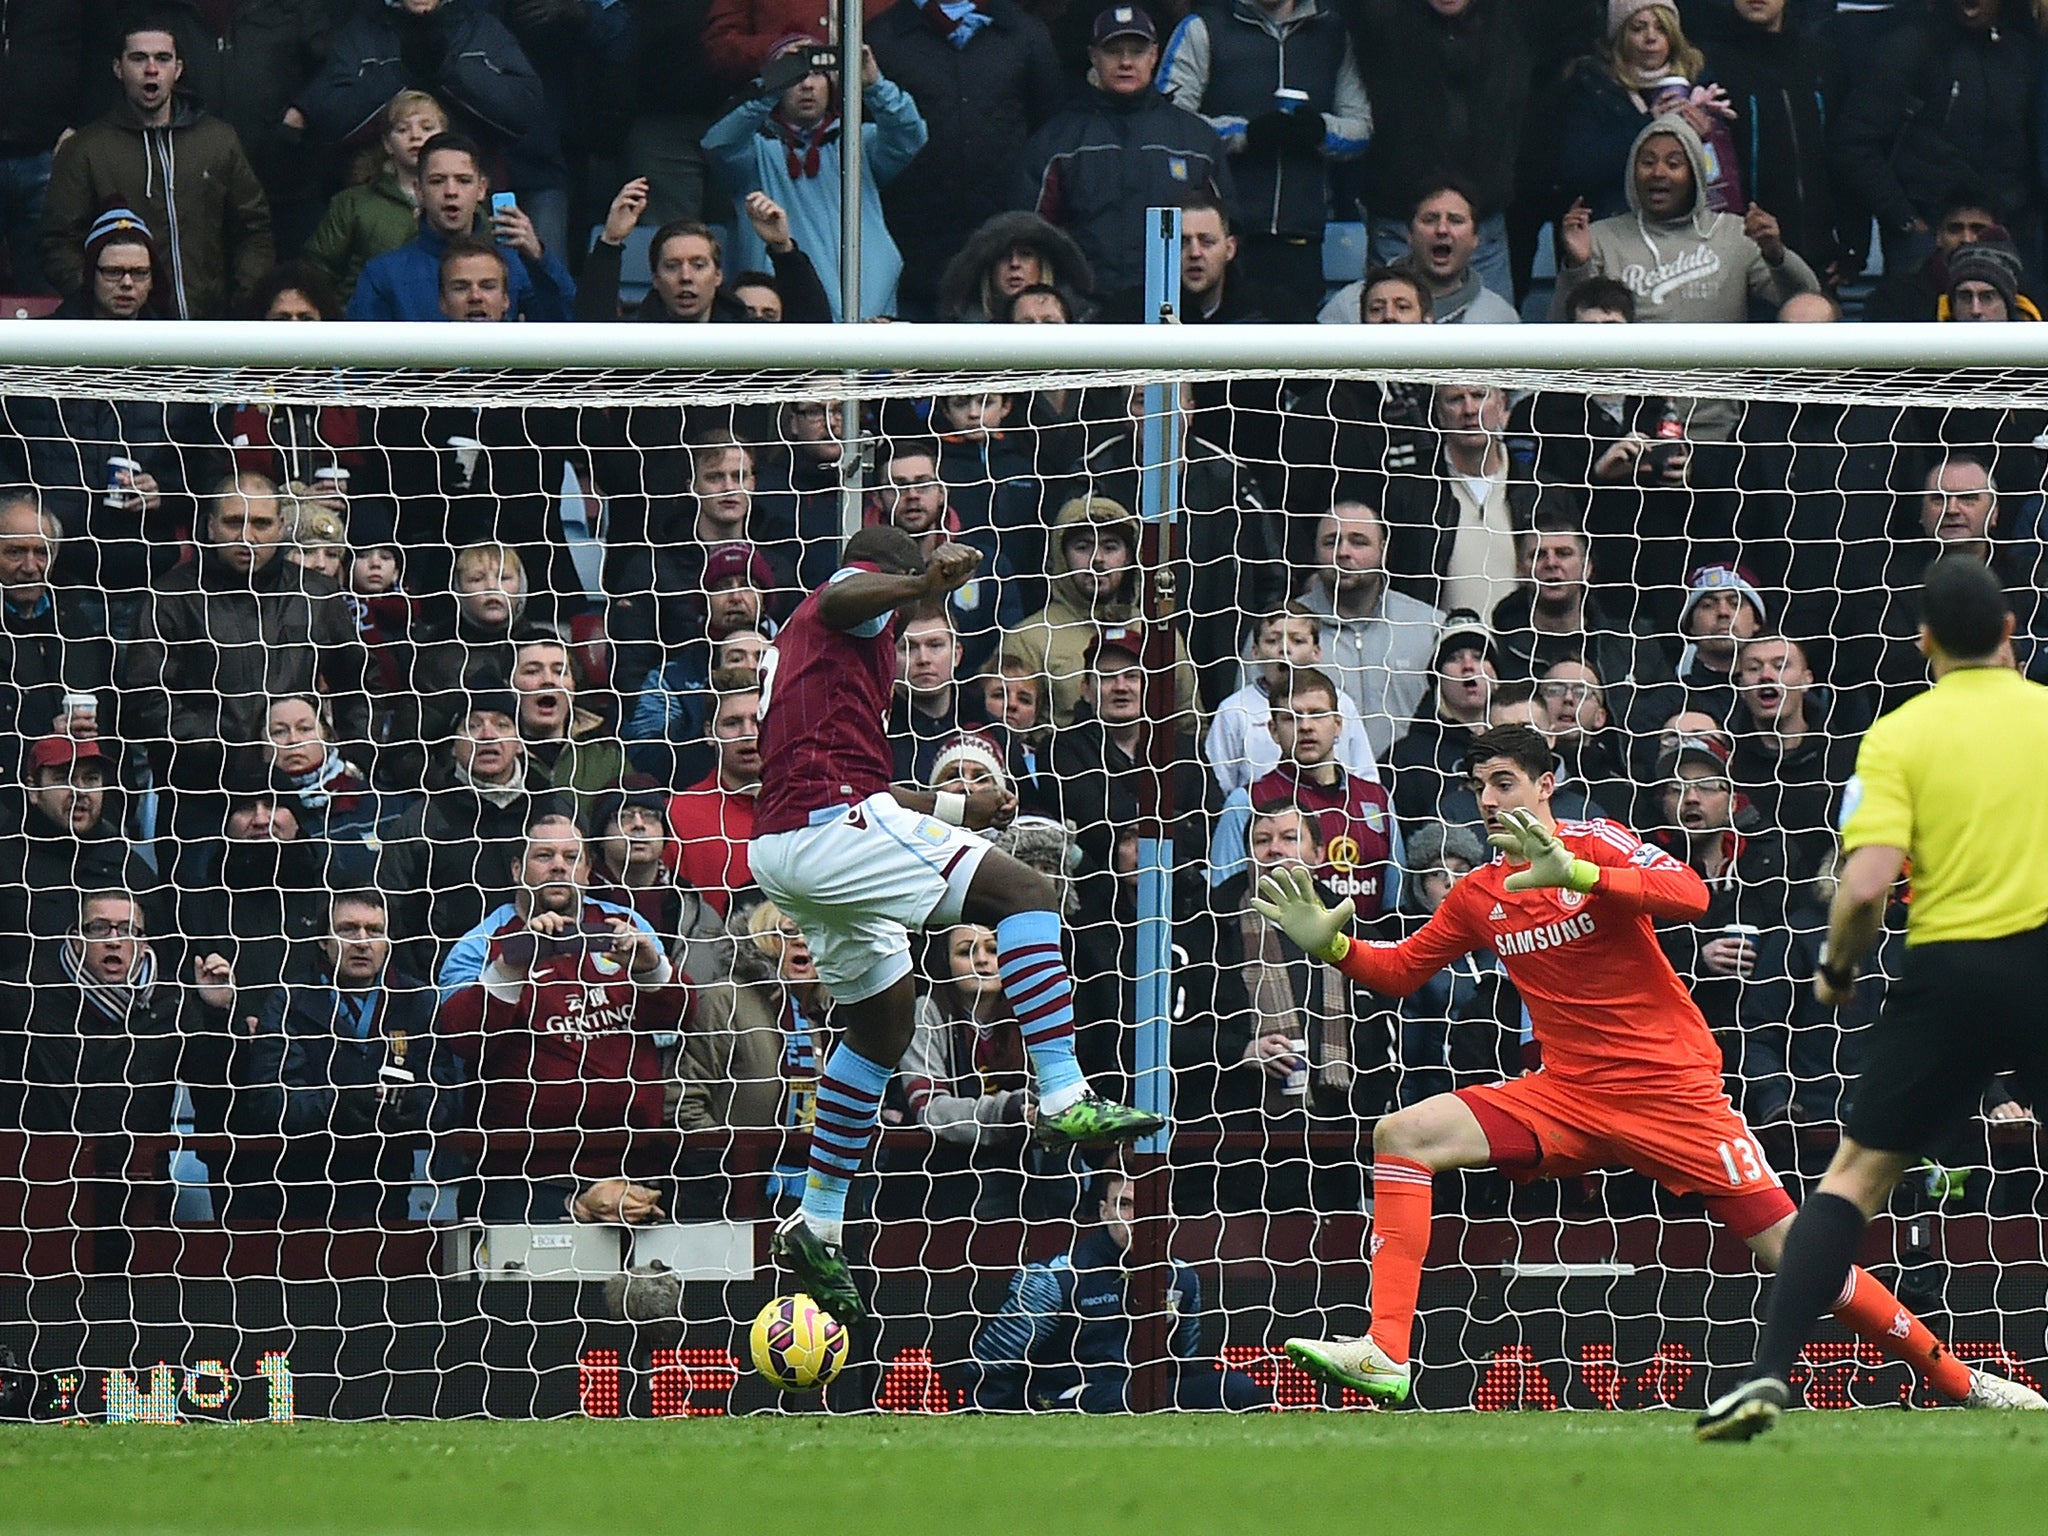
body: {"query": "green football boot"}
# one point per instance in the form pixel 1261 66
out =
pixel 820 1269
pixel 1093 1121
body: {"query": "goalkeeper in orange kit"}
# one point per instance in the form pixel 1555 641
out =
pixel 1631 1075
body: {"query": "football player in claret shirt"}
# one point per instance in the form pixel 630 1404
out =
pixel 856 863
pixel 1631 1075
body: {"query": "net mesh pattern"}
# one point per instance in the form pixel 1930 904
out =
pixel 322 682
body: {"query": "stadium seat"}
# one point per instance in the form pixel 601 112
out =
pixel 1344 248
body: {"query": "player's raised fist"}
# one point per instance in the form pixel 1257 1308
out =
pixel 950 568
pixel 988 806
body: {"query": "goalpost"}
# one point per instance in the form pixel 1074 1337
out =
pixel 157 1261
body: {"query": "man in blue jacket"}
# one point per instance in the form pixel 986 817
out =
pixel 1062 1338
pixel 1098 164
pixel 405 284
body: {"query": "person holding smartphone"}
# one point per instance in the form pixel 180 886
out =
pixel 456 201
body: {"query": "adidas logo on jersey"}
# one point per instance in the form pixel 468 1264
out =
pixel 1499 914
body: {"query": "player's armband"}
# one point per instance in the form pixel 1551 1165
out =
pixel 872 627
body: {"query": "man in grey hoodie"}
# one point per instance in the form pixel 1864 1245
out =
pixel 1681 260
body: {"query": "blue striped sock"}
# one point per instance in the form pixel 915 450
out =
pixel 1041 993
pixel 849 1108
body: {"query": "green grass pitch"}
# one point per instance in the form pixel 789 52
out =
pixel 1841 1474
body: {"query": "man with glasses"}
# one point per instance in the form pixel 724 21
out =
pixel 1731 952
pixel 120 272
pixel 341 1054
pixel 913 497
pixel 175 164
pixel 1571 709
pixel 102 1060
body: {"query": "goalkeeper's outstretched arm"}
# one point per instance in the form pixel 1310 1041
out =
pixel 1287 899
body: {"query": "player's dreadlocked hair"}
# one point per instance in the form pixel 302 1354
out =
pixel 888 547
pixel 1521 745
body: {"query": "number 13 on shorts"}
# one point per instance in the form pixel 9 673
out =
pixel 1739 1157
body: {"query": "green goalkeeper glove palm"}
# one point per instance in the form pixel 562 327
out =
pixel 1287 899
pixel 1551 864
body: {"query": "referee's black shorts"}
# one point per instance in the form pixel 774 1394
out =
pixel 1960 1014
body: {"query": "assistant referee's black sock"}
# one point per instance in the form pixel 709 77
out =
pixel 1818 1252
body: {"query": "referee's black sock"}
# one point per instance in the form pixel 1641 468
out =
pixel 1818 1252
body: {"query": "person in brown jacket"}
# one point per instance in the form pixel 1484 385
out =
pixel 183 171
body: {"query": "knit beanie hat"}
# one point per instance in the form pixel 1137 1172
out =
pixel 1994 260
pixel 117 224
pixel 1619 11
pixel 971 747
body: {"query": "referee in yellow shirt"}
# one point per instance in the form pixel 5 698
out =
pixel 1950 780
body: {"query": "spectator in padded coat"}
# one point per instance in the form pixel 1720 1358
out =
pixel 102 1026
pixel 344 1052
pixel 785 143
pixel 1610 93
pixel 450 858
pixel 379 210
pixel 1782 81
pixel 70 841
pixel 183 170
pixel 1007 254
pixel 984 75
pixel 224 634
pixel 757 1036
pixel 1940 105
pixel 456 51
pixel 245 61
pixel 1118 149
pixel 1227 61
pixel 1449 83
pixel 50 645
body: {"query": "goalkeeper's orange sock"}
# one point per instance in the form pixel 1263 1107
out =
pixel 1402 1199
pixel 1875 1313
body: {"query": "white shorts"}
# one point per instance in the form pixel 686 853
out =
pixel 858 879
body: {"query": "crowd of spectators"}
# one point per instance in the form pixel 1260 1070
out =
pixel 376 772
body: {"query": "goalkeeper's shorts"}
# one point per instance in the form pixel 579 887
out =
pixel 1682 1132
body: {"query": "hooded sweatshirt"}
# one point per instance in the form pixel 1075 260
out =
pixel 1700 266
pixel 1054 642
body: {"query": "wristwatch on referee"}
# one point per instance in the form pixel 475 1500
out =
pixel 1840 977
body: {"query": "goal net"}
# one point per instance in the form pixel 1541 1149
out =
pixel 334 655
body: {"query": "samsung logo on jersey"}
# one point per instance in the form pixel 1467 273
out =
pixel 1527 941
